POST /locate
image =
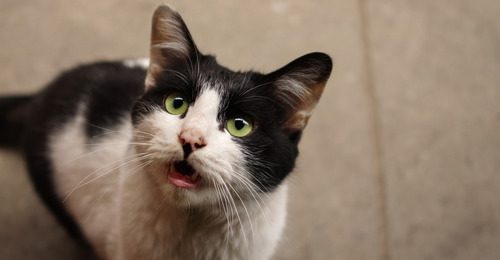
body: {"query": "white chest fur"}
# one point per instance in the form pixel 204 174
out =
pixel 164 231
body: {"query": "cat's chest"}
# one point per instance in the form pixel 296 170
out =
pixel 149 228
pixel 172 237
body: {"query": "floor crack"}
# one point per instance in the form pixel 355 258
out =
pixel 376 124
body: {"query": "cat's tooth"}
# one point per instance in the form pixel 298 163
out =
pixel 194 176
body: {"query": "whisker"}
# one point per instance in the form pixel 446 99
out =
pixel 83 183
pixel 249 187
pixel 106 192
pixel 233 203
pixel 255 195
pixel 114 131
pixel 222 205
pixel 247 213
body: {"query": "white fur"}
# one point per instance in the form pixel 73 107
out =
pixel 119 195
pixel 85 174
pixel 137 63
pixel 292 90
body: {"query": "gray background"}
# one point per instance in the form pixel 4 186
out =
pixel 400 160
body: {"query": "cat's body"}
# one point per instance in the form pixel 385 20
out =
pixel 135 179
pixel 83 144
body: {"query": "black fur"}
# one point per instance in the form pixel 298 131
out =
pixel 12 117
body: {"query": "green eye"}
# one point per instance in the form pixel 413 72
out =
pixel 239 127
pixel 176 104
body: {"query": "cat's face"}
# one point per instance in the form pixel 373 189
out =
pixel 206 133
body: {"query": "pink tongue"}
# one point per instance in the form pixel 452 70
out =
pixel 181 181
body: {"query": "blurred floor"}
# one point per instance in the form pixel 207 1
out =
pixel 400 160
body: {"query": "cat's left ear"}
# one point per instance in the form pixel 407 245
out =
pixel 299 86
pixel 171 43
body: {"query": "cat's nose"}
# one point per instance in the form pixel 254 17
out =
pixel 191 139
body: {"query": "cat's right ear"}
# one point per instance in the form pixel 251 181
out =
pixel 171 43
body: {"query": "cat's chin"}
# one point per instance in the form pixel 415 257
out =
pixel 203 197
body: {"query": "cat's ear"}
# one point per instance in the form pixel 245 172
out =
pixel 171 43
pixel 299 86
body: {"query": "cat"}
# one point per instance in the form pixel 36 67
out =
pixel 171 157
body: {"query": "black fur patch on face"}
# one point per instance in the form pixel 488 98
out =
pixel 269 152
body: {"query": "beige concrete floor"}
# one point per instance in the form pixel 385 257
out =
pixel 401 159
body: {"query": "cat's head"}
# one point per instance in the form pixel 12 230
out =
pixel 205 131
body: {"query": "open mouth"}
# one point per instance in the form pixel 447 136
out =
pixel 183 175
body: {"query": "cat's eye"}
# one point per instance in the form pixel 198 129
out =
pixel 239 126
pixel 176 104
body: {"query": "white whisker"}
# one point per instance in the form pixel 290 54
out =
pixel 83 182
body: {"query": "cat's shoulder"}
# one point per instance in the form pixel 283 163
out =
pixel 103 91
pixel 116 78
pixel 102 70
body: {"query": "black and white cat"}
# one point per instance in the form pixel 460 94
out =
pixel 175 157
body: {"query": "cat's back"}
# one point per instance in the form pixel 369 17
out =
pixel 105 90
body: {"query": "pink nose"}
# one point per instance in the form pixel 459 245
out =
pixel 191 139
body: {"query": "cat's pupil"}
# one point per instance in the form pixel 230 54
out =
pixel 239 124
pixel 178 102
